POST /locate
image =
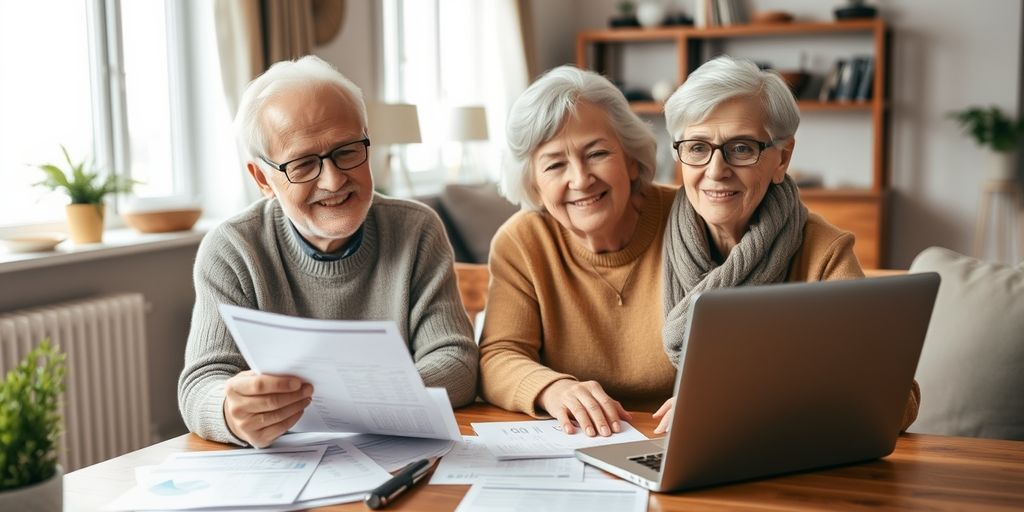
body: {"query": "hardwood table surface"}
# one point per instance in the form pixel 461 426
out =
pixel 925 472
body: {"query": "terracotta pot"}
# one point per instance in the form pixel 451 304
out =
pixel 44 496
pixel 85 223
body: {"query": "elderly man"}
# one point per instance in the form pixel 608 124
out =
pixel 320 244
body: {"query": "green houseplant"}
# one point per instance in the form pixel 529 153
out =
pixel 997 132
pixel 86 188
pixel 30 426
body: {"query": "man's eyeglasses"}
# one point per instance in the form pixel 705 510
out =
pixel 737 152
pixel 308 168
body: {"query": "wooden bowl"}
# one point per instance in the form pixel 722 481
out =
pixel 162 221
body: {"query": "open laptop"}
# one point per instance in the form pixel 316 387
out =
pixel 785 378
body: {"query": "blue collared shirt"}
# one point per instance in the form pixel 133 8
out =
pixel 349 249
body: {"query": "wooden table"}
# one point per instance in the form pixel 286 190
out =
pixel 925 472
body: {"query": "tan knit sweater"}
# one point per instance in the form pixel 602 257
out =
pixel 550 316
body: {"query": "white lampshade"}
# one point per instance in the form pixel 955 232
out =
pixel 467 123
pixel 393 123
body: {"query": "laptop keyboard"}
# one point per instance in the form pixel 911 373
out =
pixel 652 461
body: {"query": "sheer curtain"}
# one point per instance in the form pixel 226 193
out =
pixel 252 35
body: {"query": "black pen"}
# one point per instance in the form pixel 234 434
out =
pixel 402 481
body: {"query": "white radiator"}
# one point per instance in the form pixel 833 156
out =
pixel 106 400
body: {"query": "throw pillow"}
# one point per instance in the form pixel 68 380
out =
pixel 971 370
pixel 476 211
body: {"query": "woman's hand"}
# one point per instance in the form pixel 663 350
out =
pixel 259 408
pixel 665 413
pixel 587 403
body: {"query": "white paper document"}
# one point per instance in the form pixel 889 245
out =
pixel 390 452
pixel 362 375
pixel 546 496
pixel 470 462
pixel 228 478
pixel 543 439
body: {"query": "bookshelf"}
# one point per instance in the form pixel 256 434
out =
pixel 859 210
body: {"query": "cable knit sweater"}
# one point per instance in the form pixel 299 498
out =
pixel 402 271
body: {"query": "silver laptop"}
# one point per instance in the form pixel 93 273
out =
pixel 784 378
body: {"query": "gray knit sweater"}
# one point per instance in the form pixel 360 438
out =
pixel 402 271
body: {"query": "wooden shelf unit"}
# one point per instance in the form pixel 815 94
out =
pixel 860 211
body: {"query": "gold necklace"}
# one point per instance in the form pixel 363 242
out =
pixel 618 291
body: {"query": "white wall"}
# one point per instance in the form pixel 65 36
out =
pixel 945 56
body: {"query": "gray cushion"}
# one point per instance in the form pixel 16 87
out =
pixel 476 212
pixel 972 366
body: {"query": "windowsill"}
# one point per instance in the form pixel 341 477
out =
pixel 116 242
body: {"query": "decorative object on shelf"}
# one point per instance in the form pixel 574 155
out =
pixel 650 13
pixel 717 13
pixel 86 188
pixel 30 426
pixel 796 80
pixel 626 16
pixel 855 9
pixel 328 17
pixel 392 124
pixel 467 124
pixel 661 90
pixel 771 17
pixel 33 242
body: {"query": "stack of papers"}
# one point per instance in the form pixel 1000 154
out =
pixel 543 439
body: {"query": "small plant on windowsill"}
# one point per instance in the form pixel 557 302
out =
pixel 30 478
pixel 997 132
pixel 86 188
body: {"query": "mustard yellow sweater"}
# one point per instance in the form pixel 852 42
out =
pixel 550 316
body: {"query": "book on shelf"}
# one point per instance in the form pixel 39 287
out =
pixel 867 80
pixel 716 13
pixel 830 87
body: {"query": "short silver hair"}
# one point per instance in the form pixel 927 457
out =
pixel 307 72
pixel 723 78
pixel 538 114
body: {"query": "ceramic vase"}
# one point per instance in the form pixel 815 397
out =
pixel 46 496
pixel 650 13
pixel 85 222
pixel 1001 165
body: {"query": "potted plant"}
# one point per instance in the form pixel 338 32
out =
pixel 86 188
pixel 992 129
pixel 30 477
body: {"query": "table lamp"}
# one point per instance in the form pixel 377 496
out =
pixel 467 124
pixel 392 124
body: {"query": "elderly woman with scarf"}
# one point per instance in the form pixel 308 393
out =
pixel 738 219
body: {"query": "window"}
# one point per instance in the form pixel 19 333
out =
pixel 98 77
pixel 432 58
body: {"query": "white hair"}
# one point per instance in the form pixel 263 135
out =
pixel 538 114
pixel 308 72
pixel 723 78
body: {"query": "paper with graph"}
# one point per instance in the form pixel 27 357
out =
pixel 229 478
pixel 363 377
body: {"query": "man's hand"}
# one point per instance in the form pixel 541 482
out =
pixel 665 413
pixel 587 403
pixel 259 408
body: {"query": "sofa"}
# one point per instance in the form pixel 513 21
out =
pixel 471 215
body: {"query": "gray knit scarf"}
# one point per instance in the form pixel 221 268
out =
pixel 762 256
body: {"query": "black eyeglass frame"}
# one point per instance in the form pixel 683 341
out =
pixel 761 146
pixel 365 141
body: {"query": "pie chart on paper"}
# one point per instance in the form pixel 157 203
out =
pixel 178 488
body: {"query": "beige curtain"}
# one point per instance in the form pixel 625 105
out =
pixel 253 34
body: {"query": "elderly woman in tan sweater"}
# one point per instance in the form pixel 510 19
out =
pixel 738 219
pixel 573 325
